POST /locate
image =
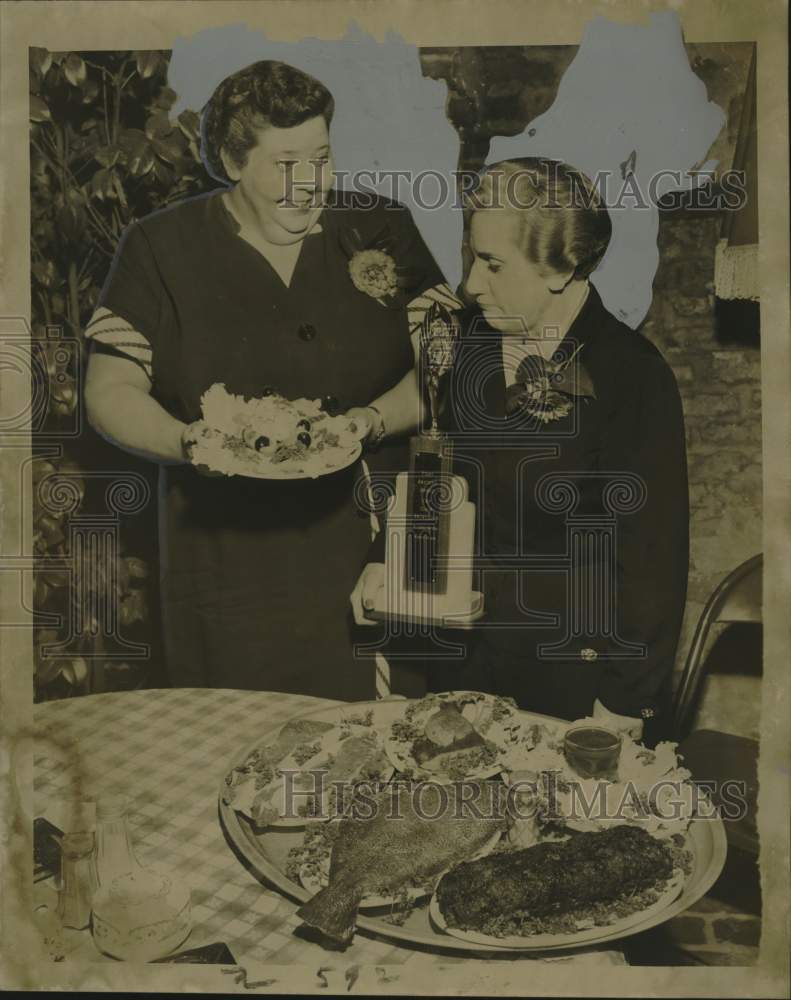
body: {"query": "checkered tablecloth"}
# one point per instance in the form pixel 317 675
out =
pixel 168 750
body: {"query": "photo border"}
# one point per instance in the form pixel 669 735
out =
pixel 60 26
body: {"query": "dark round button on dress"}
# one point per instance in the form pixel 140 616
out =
pixel 307 331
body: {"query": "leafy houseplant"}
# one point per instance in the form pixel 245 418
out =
pixel 103 153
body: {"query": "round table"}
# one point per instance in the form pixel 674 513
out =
pixel 167 751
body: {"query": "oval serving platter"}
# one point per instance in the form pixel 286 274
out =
pixel 265 853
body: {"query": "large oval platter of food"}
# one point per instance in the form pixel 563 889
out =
pixel 520 855
pixel 272 437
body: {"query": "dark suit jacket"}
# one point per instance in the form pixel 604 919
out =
pixel 582 524
pixel 583 520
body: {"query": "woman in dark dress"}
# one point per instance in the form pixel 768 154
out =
pixel 569 429
pixel 250 286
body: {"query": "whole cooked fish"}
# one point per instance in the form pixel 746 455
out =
pixel 553 877
pixel 403 836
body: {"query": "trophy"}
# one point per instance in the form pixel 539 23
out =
pixel 431 524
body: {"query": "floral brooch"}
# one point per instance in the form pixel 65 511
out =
pixel 546 390
pixel 373 268
pixel 374 272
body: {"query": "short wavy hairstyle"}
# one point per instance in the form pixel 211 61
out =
pixel 265 94
pixel 563 224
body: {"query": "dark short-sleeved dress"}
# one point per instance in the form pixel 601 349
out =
pixel 256 575
pixel 541 490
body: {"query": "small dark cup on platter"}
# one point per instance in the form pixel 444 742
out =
pixel 593 751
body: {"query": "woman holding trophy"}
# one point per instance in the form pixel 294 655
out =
pixel 569 430
pixel 275 284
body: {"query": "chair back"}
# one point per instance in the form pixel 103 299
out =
pixel 738 598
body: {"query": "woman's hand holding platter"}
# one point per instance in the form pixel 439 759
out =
pixel 360 417
pixel 369 424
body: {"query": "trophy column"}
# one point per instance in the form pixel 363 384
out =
pixel 431 524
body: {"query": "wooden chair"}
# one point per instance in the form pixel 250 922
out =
pixel 709 754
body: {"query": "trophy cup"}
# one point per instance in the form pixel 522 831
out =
pixel 431 524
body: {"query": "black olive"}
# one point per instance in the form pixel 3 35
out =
pixel 267 390
pixel 304 423
pixel 261 442
pixel 304 438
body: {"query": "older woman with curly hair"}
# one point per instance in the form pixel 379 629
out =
pixel 569 429
pixel 251 286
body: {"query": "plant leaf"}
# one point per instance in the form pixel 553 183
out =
pixel 75 671
pixel 46 274
pixel 159 125
pixel 166 98
pixel 72 220
pixel 74 69
pixel 132 140
pixel 119 190
pixel 171 149
pixel 137 151
pixel 102 184
pixel 50 528
pixel 63 397
pixel 90 91
pixel 189 123
pixel 148 62
pixel 40 60
pixel 137 568
pixel 107 155
pixel 163 173
pixel 42 467
pixel 54 578
pixel 48 670
pixel 133 608
pixel 39 112
pixel 141 163
pixel 41 592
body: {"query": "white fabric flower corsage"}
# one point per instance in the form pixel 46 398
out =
pixel 374 272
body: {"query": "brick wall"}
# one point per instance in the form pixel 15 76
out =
pixel 497 91
pixel 719 383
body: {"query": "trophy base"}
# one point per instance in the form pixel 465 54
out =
pixel 443 598
pixel 428 609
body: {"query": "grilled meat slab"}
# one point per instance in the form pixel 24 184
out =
pixel 553 878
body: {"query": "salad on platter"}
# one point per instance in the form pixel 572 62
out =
pixel 272 437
